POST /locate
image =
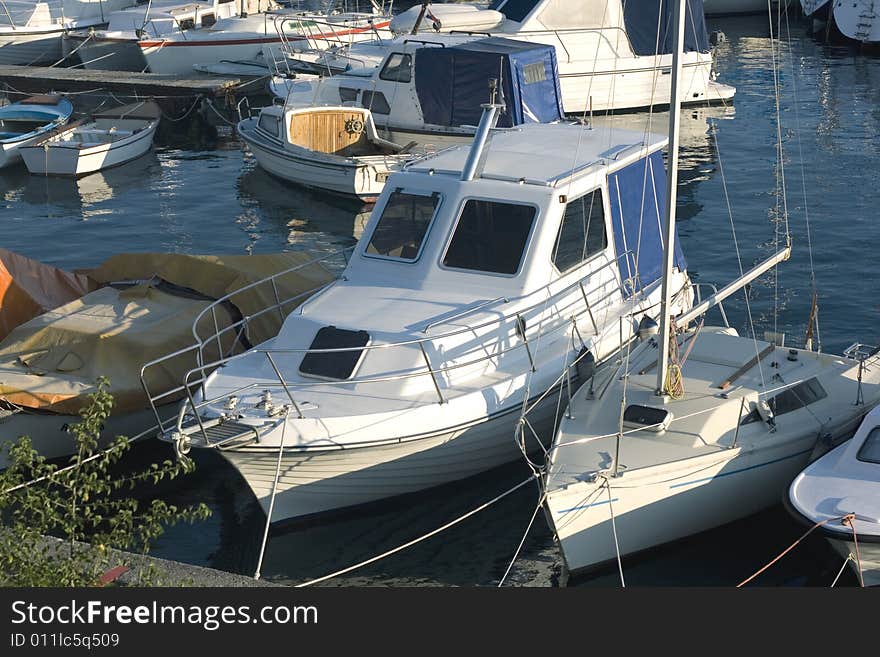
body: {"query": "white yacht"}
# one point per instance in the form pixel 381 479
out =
pixel 482 274
pixel 30 32
pixel 612 54
pixel 697 427
pixel 260 38
pixel 841 492
pixel 115 48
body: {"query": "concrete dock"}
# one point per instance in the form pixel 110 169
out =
pixel 40 79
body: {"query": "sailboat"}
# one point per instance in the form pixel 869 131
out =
pixel 697 426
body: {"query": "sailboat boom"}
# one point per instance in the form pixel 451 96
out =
pixel 733 286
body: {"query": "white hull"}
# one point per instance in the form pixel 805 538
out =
pixel 178 57
pixel 869 557
pixel 59 160
pixel 35 48
pixel 605 89
pixel 671 502
pixel 313 482
pixel 363 177
pixel 50 436
pixel 10 154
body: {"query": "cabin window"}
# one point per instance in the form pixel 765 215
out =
pixel 403 225
pixel 347 94
pixel 870 449
pixel 490 236
pixel 375 102
pixel 187 24
pixel 208 20
pixel 582 232
pixel 515 10
pixel 534 73
pixel 398 68
pixel 335 365
pixel 791 399
pixel 269 123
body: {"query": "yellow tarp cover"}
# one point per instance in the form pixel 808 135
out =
pixel 53 360
pixel 28 288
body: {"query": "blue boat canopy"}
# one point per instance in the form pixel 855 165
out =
pixel 453 82
pixel 643 16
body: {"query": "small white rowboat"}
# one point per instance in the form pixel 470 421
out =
pixel 104 140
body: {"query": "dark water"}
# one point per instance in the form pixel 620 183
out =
pixel 216 201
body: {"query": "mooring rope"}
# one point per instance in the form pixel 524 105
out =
pixel 424 537
pixel 791 547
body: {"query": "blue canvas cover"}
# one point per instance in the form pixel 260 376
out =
pixel 642 16
pixel 638 202
pixel 453 82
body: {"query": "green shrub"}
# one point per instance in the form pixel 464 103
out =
pixel 83 503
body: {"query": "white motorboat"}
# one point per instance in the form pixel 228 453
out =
pixel 29 121
pixel 260 37
pixel 697 427
pixel 857 20
pixel 612 54
pixel 411 369
pixel 114 47
pixel 317 145
pixel 840 491
pixel 31 32
pixel 111 319
pixel 432 95
pixel 333 148
pixel 107 139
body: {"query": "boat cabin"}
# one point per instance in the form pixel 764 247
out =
pixel 627 25
pixel 542 219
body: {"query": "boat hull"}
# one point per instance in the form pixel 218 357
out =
pixel 99 54
pixel 339 175
pixel 72 162
pixel 50 435
pixel 315 482
pixel 670 502
pixel 868 558
pixel 25 49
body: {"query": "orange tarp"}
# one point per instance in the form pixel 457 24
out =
pixel 29 288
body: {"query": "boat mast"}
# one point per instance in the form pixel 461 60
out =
pixel 671 189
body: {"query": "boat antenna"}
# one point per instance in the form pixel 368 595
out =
pixel 671 189
pixel 491 110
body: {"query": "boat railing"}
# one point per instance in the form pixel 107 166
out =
pixel 578 300
pixel 698 293
pixel 321 35
pixel 235 332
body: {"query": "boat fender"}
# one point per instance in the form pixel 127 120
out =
pixel 766 412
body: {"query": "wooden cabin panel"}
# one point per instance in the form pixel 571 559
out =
pixel 330 131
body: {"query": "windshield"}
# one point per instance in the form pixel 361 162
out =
pixel 403 225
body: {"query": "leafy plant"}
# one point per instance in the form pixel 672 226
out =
pixel 81 503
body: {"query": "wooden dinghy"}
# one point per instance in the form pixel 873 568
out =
pixel 106 139
pixel 337 149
